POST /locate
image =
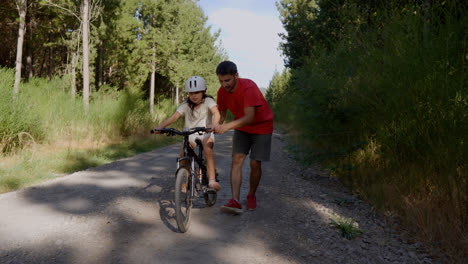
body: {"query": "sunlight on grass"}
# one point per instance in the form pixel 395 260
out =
pixel 8 183
pixel 347 227
pixel 27 168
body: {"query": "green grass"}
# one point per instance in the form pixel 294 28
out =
pixel 387 111
pixel 29 168
pixel 44 133
pixel 347 227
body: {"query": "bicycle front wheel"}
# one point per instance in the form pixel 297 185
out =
pixel 183 199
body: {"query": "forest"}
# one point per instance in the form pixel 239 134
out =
pixel 376 92
pixel 82 82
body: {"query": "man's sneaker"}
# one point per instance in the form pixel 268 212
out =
pixel 232 207
pixel 251 202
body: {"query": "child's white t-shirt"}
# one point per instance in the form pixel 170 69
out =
pixel 201 116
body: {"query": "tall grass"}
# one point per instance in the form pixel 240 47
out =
pixel 389 115
pixel 44 132
pixel 15 115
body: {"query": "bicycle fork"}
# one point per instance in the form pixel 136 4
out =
pixel 193 178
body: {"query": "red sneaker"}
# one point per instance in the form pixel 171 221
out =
pixel 251 202
pixel 232 207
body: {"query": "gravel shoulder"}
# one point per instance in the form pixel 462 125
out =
pixel 122 212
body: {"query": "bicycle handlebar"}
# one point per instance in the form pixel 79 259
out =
pixel 172 131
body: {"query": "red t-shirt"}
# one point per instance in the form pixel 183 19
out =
pixel 247 94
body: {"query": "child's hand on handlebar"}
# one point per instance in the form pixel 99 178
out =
pixel 156 131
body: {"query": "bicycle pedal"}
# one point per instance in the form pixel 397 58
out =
pixel 210 190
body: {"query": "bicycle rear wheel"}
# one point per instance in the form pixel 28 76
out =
pixel 183 199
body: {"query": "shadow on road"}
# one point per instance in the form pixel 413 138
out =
pixel 123 212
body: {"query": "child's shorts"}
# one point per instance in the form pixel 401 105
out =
pixel 202 137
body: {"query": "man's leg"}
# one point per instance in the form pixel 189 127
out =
pixel 255 175
pixel 236 174
pixel 260 151
pixel 240 148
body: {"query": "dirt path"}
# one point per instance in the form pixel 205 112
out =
pixel 122 212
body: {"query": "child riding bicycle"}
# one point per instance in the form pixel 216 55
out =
pixel 200 110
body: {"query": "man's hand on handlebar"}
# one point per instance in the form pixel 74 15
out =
pixel 220 129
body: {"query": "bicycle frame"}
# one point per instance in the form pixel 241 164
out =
pixel 197 173
pixel 192 158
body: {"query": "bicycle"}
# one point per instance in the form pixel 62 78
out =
pixel 191 178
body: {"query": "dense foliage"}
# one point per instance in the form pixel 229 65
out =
pixel 122 38
pixel 130 41
pixel 377 91
pixel 45 112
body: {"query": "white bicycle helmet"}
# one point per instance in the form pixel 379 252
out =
pixel 195 84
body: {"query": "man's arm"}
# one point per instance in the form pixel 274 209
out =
pixel 249 115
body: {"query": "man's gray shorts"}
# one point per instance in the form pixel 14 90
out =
pixel 258 145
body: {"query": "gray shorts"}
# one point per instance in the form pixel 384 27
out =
pixel 258 145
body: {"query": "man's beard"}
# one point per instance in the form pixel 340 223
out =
pixel 232 87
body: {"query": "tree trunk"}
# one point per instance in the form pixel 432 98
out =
pixel 85 55
pixel 153 75
pixel 101 59
pixel 427 8
pixel 51 63
pixel 73 74
pixel 29 55
pixel 74 62
pixel 42 66
pixel 21 5
pixel 177 95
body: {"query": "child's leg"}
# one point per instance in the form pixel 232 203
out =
pixel 208 144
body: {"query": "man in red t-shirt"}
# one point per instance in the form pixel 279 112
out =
pixel 253 124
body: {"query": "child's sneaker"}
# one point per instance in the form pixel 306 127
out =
pixel 251 202
pixel 232 207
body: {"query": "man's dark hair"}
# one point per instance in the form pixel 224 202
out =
pixel 226 67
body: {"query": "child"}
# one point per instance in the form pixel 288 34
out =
pixel 200 110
